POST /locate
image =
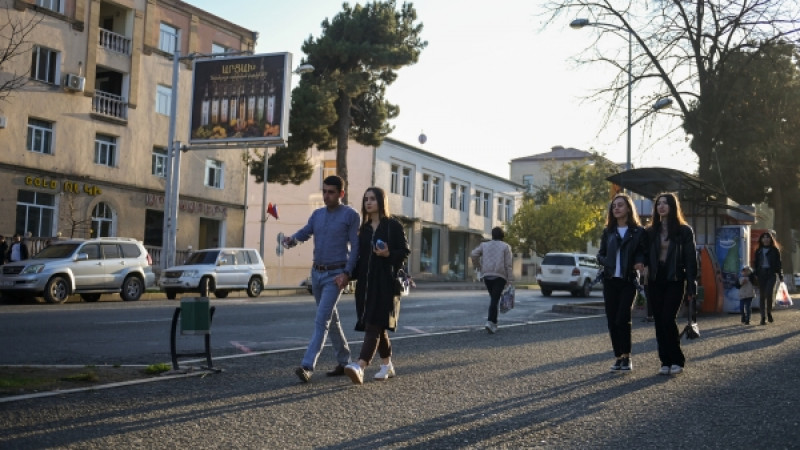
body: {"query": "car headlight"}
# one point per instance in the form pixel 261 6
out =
pixel 190 273
pixel 33 268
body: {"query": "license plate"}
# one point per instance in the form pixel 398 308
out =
pixel 6 283
pixel 556 271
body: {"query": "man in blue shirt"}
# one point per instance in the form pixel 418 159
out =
pixel 333 227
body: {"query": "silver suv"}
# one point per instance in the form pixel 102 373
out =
pixel 79 266
pixel 573 272
pixel 217 270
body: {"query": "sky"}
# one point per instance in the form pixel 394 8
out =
pixel 492 85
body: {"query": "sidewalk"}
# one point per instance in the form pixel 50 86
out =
pixel 531 385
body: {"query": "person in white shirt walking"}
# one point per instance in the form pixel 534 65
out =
pixel 493 260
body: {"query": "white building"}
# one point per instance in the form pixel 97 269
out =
pixel 447 208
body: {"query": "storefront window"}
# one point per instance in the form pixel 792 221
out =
pixel 153 227
pixel 429 258
pixel 457 258
pixel 35 212
pixel 102 221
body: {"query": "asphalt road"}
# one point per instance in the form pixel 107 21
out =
pixel 532 385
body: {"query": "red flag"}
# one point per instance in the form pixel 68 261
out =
pixel 272 210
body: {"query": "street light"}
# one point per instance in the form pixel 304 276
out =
pixel 580 23
pixel 303 68
pixel 661 103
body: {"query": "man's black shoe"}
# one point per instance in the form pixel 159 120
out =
pixel 303 373
pixel 336 372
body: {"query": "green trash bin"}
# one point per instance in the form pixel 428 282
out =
pixel 195 316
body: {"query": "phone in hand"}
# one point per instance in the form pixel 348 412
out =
pixel 380 245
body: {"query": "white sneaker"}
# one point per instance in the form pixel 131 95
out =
pixel 664 370
pixel 491 327
pixel 387 371
pixel 675 369
pixel 355 372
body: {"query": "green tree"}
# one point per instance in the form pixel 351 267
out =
pixel 355 59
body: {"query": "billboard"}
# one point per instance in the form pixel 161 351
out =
pixel 241 99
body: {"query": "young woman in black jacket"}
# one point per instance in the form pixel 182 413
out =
pixel 382 250
pixel 671 274
pixel 622 255
pixel 768 267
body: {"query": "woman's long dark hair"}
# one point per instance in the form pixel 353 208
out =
pixel 674 217
pixel 772 238
pixel 383 204
pixel 633 216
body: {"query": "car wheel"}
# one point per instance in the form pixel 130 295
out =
pixel 254 287
pixel 56 290
pixel 546 292
pixel 587 288
pixel 90 297
pixel 206 286
pixel 220 294
pixel 171 294
pixel 132 289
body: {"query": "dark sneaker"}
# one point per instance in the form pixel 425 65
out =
pixel 304 374
pixel 617 364
pixel 626 364
pixel 336 372
pixel 769 318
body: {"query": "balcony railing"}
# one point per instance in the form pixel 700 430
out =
pixel 115 42
pixel 111 105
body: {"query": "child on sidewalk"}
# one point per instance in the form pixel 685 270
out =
pixel 746 293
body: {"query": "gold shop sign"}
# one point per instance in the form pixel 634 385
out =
pixel 66 186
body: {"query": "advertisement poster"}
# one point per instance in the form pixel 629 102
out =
pixel 241 99
pixel 732 249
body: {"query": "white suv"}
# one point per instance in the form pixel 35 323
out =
pixel 86 267
pixel 573 272
pixel 217 270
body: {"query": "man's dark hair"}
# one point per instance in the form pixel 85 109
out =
pixel 334 180
pixel 498 234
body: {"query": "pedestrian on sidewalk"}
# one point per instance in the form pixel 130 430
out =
pixel 746 293
pixel 622 254
pixel 493 260
pixel 769 271
pixel 382 251
pixel 672 272
pixel 335 231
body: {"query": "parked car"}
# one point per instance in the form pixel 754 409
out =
pixel 573 272
pixel 217 270
pixel 79 266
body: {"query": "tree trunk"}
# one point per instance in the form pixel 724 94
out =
pixel 342 136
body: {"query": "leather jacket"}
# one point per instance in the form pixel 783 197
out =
pixel 681 260
pixel 632 248
pixel 773 258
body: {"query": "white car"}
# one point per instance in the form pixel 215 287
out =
pixel 217 270
pixel 573 272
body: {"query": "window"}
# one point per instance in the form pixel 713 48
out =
pixel 426 182
pixel 163 99
pixel 168 38
pixel 105 150
pixel 500 209
pixel 160 162
pixel 406 182
pixel 462 198
pixel 453 196
pixel 214 174
pixel 485 204
pixel 35 213
pixel 395 177
pixel 508 210
pixel 436 187
pixel 216 49
pixel 328 169
pixel 44 65
pixel 478 199
pixel 102 221
pixel 40 136
pixel 153 227
pixel 527 181
pixel 52 5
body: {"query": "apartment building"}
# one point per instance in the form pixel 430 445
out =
pixel 84 142
pixel 446 207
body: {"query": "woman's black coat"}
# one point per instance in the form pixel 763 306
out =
pixel 681 263
pixel 633 250
pixel 773 258
pixel 376 276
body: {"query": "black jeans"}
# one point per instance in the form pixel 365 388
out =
pixel 375 338
pixel 766 292
pixel 618 296
pixel 666 297
pixel 495 287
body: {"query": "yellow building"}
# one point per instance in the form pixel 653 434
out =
pixel 83 142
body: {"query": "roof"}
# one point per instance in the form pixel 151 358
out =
pixel 557 153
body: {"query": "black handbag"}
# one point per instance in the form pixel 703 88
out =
pixel 691 330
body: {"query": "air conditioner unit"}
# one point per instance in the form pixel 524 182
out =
pixel 74 82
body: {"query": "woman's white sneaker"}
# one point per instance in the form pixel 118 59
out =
pixel 387 371
pixel 355 372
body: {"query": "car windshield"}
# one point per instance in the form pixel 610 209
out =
pixel 558 260
pixel 202 258
pixel 56 251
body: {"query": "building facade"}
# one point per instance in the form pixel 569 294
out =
pixel 84 142
pixel 447 208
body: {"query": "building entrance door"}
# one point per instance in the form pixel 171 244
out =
pixel 209 233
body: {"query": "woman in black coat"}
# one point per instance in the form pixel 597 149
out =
pixel 672 273
pixel 769 270
pixel 383 249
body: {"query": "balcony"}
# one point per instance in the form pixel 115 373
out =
pixel 115 42
pixel 110 105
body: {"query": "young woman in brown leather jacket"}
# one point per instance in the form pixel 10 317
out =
pixel 622 253
pixel 671 273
